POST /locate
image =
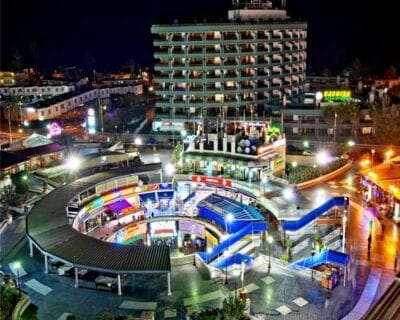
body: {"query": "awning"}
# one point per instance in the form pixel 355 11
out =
pixel 148 197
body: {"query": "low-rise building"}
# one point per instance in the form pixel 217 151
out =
pixel 53 108
pixel 248 151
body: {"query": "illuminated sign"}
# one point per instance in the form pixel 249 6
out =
pixel 337 95
pixel 192 228
pixel 265 149
pixel 54 129
pixel 211 180
pixel 162 229
pixel 91 121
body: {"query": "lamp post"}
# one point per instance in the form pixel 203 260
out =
pixel 228 219
pixel 270 240
pixel 17 266
pixel 236 273
pixel 372 157
pixel 344 227
pixel 9 123
pixel 312 262
pixel 334 130
pixel 109 296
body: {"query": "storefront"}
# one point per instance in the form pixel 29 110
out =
pixel 163 232
pixel 380 188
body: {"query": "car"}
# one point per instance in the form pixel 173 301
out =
pixel 308 153
pixel 293 148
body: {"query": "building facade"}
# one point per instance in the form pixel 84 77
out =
pixel 53 108
pixel 229 68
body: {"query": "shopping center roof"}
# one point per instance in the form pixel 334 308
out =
pixel 48 227
pixel 239 210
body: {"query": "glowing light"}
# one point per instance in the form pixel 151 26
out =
pixel 26 123
pixel 183 133
pixel 389 154
pixel 270 239
pixel 323 157
pixel 169 169
pixel 288 193
pixel 138 141
pixel 306 144
pixel 230 217
pixel 294 164
pixel 319 95
pixel 73 163
pixel 351 143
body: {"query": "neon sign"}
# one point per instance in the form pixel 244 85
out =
pixel 337 95
pixel 54 129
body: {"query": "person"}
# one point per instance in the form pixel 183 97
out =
pixel 369 242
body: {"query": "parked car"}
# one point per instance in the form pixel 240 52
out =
pixel 293 148
pixel 308 153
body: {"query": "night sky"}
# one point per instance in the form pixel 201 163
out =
pixel 106 34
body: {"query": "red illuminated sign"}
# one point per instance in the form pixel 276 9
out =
pixel 212 180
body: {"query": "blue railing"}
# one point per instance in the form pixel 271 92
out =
pixel 217 250
pixel 326 256
pixel 294 225
pixel 237 258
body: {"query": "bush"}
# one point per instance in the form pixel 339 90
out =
pixel 105 316
pixel 302 174
pixel 8 300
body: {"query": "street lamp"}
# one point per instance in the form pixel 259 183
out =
pixel 228 219
pixel 312 262
pixel 109 296
pixel 270 240
pixel 306 144
pixel 17 266
pixel 236 273
pixel 389 154
pixel 344 230
pixel 372 157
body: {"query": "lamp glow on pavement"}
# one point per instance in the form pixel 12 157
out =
pixel 288 193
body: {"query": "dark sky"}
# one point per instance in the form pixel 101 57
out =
pixel 109 33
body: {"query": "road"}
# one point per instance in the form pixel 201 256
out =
pixel 384 245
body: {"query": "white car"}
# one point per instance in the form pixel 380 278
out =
pixel 308 153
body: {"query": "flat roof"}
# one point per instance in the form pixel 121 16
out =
pixel 47 226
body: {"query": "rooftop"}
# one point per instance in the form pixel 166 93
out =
pixel 48 227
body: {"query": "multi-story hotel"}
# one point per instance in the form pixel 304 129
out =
pixel 256 58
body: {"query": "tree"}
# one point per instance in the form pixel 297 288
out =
pixel 21 181
pixel 356 69
pixel 70 317
pixel 353 115
pixel 390 73
pixel 289 246
pixel 17 61
pixel 176 156
pixel 233 308
pixel 386 120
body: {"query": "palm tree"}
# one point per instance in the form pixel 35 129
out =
pixel 233 308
